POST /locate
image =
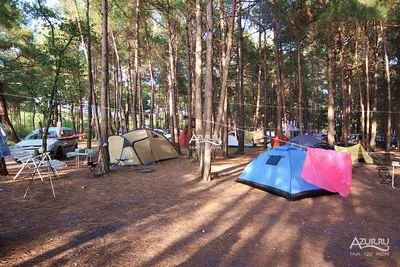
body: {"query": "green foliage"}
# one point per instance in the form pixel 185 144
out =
pixel 10 15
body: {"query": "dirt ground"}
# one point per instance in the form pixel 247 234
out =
pixel 170 218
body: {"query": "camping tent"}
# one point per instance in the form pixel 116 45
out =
pixel 303 141
pixel 253 137
pixel 140 147
pixel 278 171
pixel 356 152
pixel 232 141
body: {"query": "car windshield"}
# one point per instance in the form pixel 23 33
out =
pixel 36 135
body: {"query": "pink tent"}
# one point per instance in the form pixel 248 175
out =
pixel 328 169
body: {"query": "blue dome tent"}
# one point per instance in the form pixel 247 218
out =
pixel 278 171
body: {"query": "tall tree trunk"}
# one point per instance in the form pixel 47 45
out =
pixel 224 69
pixel 282 90
pixel 265 91
pixel 225 137
pixel 131 92
pixel 260 60
pixel 174 120
pixel 313 97
pixel 278 74
pixel 95 105
pixel 140 99
pixel 5 119
pixel 209 92
pixel 80 116
pixel 372 142
pixel 33 111
pixel 189 72
pixel 389 95
pixel 136 65
pixel 330 75
pixel 345 116
pixel 166 111
pixel 104 88
pixel 52 106
pixel 117 85
pixel 110 117
pixel 367 95
pixel 152 83
pixel 91 83
pixel 300 83
pixel 350 103
pixel 17 111
pixel 222 57
pixel 225 61
pixel 198 74
pixel 153 90
pixel 127 100
pixel 240 93
pixel 156 119
pixel 88 55
pixel 360 89
pixel 73 118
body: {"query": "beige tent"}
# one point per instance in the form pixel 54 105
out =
pixel 356 152
pixel 253 137
pixel 140 147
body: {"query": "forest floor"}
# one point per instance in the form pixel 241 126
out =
pixel 169 217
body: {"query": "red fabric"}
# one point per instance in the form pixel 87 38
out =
pixel 184 138
pixel 276 142
pixel 328 169
pixel 285 139
pixel 75 136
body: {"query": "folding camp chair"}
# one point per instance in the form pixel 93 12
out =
pixel 35 163
pixel 386 177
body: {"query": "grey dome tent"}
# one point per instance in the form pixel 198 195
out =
pixel 139 147
pixel 308 141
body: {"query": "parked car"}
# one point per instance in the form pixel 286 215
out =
pixel 393 141
pixel 380 139
pixel 56 147
pixel 353 139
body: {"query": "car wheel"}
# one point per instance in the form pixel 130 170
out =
pixel 59 153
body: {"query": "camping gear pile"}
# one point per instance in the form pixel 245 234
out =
pixel 304 167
